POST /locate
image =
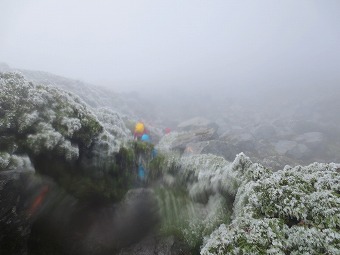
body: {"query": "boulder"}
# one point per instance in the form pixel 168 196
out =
pixel 300 151
pixel 197 123
pixel 123 224
pixel 283 146
pixel 215 147
pixel 157 245
pixel 179 141
pixel 312 139
pixel 15 225
pixel 265 132
pixel 20 204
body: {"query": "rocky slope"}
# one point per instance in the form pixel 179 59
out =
pixel 57 152
pixel 58 149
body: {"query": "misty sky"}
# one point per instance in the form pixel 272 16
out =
pixel 175 42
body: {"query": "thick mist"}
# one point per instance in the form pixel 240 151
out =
pixel 186 58
pixel 231 46
pixel 239 104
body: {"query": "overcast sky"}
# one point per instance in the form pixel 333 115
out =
pixel 175 42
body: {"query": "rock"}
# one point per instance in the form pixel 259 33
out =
pixel 15 225
pixel 300 151
pixel 158 245
pixel 197 123
pixel 123 224
pixel 311 139
pixel 293 150
pixel 244 142
pixel 179 141
pixel 304 126
pixel 18 189
pixel 265 132
pixel 283 146
pixel 215 147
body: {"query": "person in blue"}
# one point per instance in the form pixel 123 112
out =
pixel 146 138
pixel 142 171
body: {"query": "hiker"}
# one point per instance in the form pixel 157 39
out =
pixel 146 138
pixel 167 130
pixel 139 130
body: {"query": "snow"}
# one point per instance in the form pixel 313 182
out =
pixel 50 119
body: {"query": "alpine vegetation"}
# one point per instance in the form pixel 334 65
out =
pixel 292 211
pixel 213 205
pixel 57 134
pixel 38 119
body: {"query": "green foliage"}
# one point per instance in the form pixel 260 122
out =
pixel 62 139
pixel 291 211
pixel 156 167
pixel 37 118
pixel 143 148
pixel 105 184
pixel 187 220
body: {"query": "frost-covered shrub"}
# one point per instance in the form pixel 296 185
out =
pixel 115 133
pixel 39 119
pixel 209 182
pixel 113 123
pixel 13 162
pixel 63 138
pixel 292 211
pixel 207 174
pixel 251 236
pixel 187 219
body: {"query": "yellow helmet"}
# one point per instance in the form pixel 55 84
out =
pixel 139 128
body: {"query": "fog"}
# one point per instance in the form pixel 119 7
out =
pixel 214 82
pixel 192 45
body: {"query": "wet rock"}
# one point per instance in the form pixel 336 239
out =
pixel 283 146
pixel 215 147
pixel 179 141
pixel 304 126
pixel 123 224
pixel 300 151
pixel 158 245
pixel 17 191
pixel 197 123
pixel 312 139
pixel 265 132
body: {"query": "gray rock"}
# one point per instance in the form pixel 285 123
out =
pixel 311 138
pixel 283 146
pixel 215 147
pixel 157 245
pixel 199 135
pixel 304 126
pixel 124 224
pixel 300 151
pixel 265 132
pixel 16 192
pixel 197 123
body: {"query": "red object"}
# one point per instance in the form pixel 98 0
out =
pixel 167 130
pixel 38 200
pixel 137 135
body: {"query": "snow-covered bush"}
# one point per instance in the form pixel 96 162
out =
pixel 202 178
pixel 292 211
pixel 63 138
pixel 38 119
pixel 12 162
pixel 207 174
